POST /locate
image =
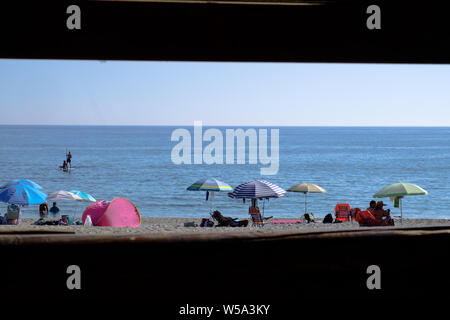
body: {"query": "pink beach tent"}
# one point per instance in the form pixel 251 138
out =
pixel 119 212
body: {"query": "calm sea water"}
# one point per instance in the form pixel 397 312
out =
pixel 351 163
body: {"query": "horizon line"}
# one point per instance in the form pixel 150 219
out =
pixel 225 125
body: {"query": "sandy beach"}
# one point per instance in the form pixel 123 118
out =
pixel 176 226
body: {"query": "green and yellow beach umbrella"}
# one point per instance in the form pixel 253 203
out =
pixel 210 185
pixel 399 190
pixel 306 188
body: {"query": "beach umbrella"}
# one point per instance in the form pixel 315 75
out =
pixel 22 192
pixel 83 195
pixel 210 185
pixel 23 182
pixel 400 190
pixel 306 188
pixel 257 189
pixel 63 195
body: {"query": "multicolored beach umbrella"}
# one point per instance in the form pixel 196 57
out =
pixel 399 190
pixel 257 189
pixel 83 195
pixel 306 188
pixel 22 192
pixel 210 185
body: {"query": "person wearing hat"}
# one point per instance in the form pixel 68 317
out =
pixel 382 215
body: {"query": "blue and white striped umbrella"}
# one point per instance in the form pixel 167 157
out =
pixel 259 189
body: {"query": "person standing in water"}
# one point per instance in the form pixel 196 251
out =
pixel 54 210
pixel 69 159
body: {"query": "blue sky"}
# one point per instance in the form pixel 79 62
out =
pixel 253 94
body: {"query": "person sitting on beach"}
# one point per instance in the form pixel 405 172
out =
pixel 43 210
pixel 227 221
pixel 54 210
pixel 382 215
pixel 13 215
pixel 372 206
pixel 253 208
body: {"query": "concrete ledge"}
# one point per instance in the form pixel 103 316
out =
pixel 38 237
pixel 199 267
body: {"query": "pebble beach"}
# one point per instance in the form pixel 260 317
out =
pixel 163 226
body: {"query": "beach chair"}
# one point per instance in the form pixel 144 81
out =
pixel 13 214
pixel 257 219
pixel 342 212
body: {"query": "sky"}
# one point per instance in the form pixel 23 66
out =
pixel 223 94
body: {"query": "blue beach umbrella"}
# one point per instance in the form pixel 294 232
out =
pixel 22 192
pixel 83 195
pixel 21 181
pixel 209 185
pixel 257 189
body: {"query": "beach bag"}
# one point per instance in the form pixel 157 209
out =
pixel 206 223
pixel 190 224
pixel 88 221
pixel 308 217
pixel 328 218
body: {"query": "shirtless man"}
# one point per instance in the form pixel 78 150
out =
pixel 69 159
pixel 372 206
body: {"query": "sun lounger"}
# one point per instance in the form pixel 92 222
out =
pixel 367 219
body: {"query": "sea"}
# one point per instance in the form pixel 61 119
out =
pixel 135 162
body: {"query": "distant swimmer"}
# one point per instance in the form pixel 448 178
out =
pixel 69 159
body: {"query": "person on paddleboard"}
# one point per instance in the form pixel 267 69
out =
pixel 64 165
pixel 69 159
